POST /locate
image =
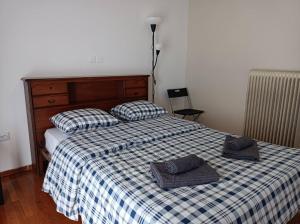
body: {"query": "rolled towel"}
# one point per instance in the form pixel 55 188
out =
pixel 183 164
pixel 237 144
pixel 204 174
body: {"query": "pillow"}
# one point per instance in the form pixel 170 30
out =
pixel 74 121
pixel 138 110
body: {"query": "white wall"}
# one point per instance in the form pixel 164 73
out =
pixel 226 40
pixel 59 37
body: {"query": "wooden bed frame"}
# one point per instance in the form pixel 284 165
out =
pixel 46 97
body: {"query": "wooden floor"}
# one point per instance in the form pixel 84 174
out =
pixel 26 203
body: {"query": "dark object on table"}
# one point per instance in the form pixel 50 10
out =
pixel 183 92
pixel 204 174
pixel 240 148
pixel 1 194
pixel 184 164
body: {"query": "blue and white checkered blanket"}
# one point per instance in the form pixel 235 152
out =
pixel 118 188
pixel 64 172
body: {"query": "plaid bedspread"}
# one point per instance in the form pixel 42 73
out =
pixel 65 169
pixel 118 188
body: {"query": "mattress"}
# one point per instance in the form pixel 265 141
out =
pixel 53 137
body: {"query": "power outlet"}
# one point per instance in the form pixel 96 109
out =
pixel 4 136
pixel 96 60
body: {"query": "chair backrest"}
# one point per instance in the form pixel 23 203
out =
pixel 175 93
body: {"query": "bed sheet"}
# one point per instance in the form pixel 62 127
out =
pixel 118 188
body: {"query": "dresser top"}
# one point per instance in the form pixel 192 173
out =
pixel 82 77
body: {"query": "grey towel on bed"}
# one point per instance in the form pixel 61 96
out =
pixel 249 152
pixel 236 144
pixel 184 164
pixel 204 174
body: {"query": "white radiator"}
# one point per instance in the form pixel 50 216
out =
pixel 273 107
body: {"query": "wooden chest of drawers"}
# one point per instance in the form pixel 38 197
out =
pixel 46 97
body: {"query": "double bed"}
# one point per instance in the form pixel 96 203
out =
pixel 103 176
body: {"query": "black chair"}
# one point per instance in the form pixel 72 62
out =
pixel 183 92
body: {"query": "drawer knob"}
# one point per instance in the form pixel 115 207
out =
pixel 51 101
pixel 50 87
pixel 135 93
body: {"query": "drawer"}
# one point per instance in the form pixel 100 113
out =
pixel 135 83
pixel 50 100
pixel 48 88
pixel 138 92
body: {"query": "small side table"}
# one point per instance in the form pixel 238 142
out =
pixel 1 194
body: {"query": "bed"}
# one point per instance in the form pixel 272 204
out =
pixel 103 175
pixel 105 178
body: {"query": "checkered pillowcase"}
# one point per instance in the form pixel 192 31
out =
pixel 138 110
pixel 82 120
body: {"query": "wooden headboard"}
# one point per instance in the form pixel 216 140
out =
pixel 46 97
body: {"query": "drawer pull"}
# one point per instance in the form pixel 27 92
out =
pixel 50 87
pixel 135 93
pixel 51 101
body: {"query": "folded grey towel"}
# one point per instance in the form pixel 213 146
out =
pixel 183 164
pixel 204 174
pixel 251 153
pixel 233 143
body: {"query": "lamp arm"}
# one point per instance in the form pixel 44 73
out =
pixel 153 65
pixel 154 61
pixel 153 75
pixel 153 51
pixel 157 54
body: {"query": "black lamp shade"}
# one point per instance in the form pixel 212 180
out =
pixel 153 27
